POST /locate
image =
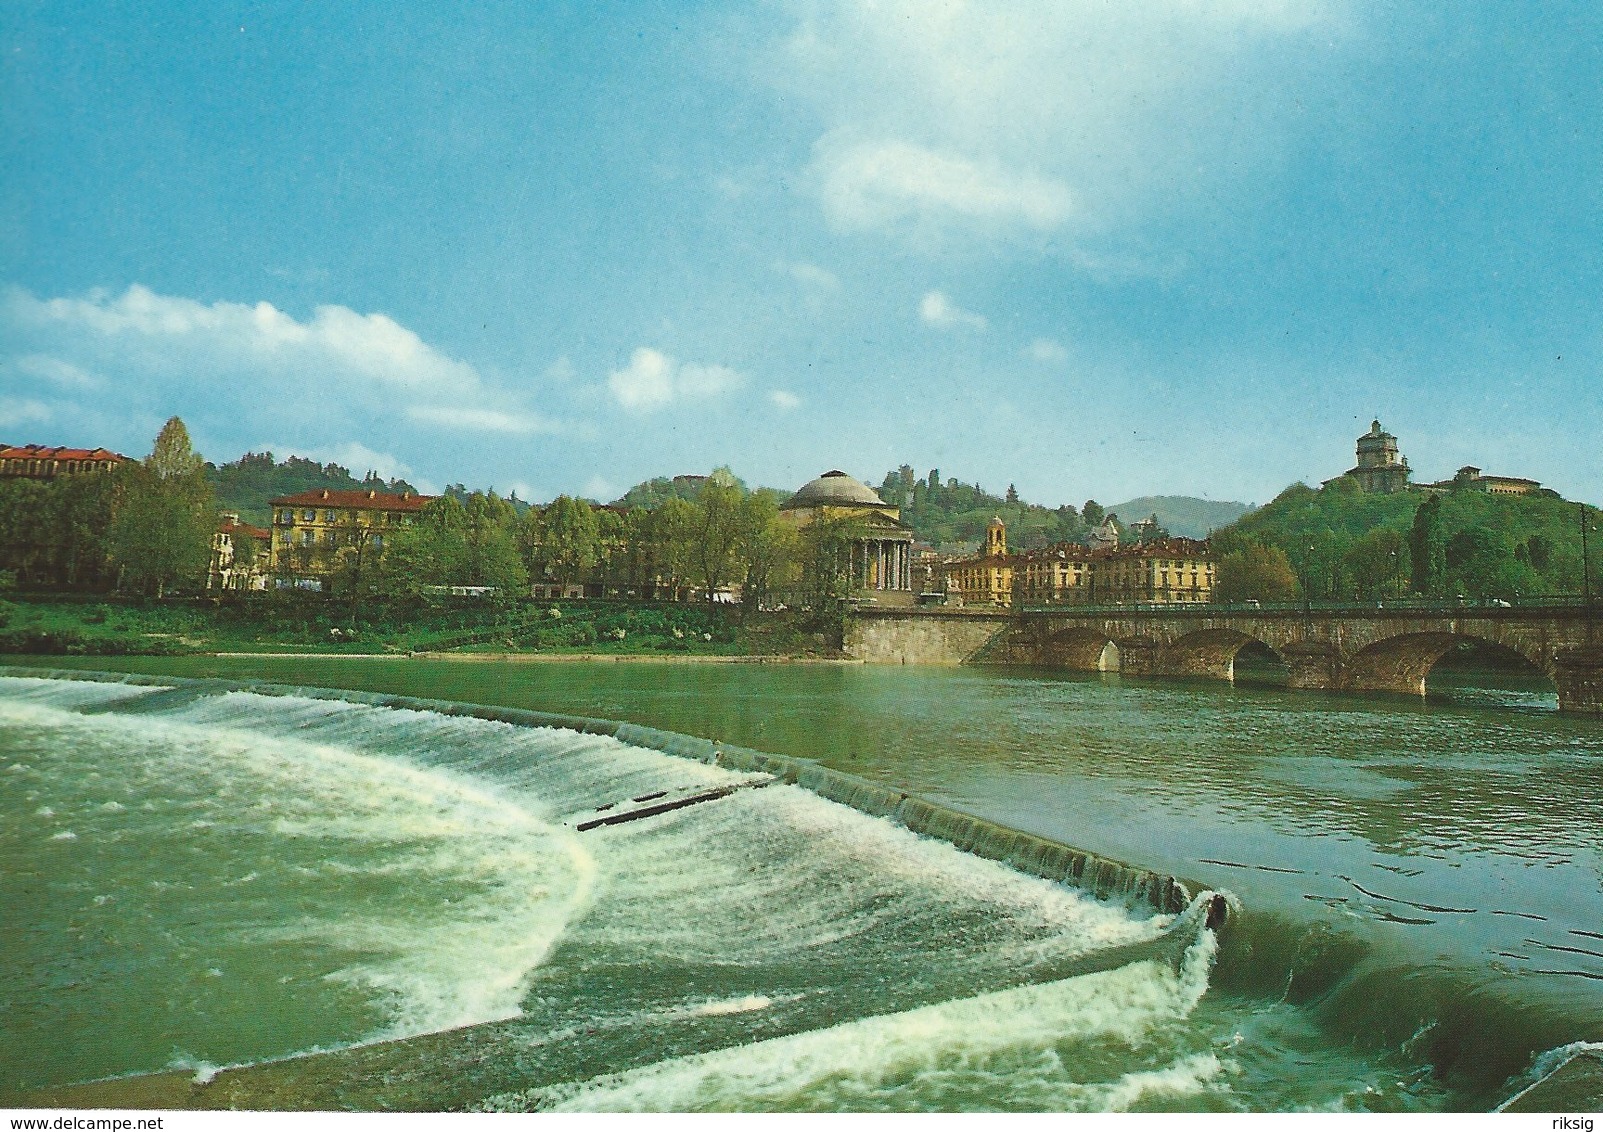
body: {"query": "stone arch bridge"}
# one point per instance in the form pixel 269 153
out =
pixel 1360 649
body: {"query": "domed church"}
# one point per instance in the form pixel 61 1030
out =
pixel 881 544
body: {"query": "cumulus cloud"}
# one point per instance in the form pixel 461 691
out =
pixel 260 336
pixel 227 365
pixel 1047 350
pixel 57 372
pixel 785 399
pixel 1041 116
pixel 652 380
pixel 940 312
pixel 16 411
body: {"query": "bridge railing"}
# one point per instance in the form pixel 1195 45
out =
pixel 1545 603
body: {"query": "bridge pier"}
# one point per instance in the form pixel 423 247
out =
pixel 1141 656
pixel 1578 676
pixel 1312 665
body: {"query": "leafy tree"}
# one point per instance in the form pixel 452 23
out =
pixel 1256 572
pixel 161 533
pixel 770 548
pixel 1377 562
pixel 718 536
pixel 570 543
pixel 1092 513
pixel 1424 547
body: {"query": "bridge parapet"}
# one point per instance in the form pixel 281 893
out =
pixel 1352 648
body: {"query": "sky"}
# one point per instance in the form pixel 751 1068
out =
pixel 1092 249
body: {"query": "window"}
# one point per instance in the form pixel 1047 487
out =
pixel 308 515
pixel 328 516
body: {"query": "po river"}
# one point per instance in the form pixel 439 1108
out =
pixel 230 879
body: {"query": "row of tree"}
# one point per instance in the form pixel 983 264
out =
pixel 143 527
pixel 725 536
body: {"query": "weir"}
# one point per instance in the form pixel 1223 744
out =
pixel 1103 877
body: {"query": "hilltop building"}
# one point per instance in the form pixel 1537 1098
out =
pixel 1381 470
pixel 1470 479
pixel 881 545
pixel 313 530
pixel 35 461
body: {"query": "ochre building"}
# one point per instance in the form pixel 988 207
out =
pixel 1160 571
pixel 313 529
pixel 987 578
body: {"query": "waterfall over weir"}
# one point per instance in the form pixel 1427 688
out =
pixel 460 907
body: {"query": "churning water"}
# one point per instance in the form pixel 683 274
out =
pixel 204 880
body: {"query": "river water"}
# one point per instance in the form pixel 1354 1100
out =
pixel 236 878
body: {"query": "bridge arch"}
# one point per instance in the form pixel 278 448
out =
pixel 1211 653
pixel 1403 663
pixel 1081 649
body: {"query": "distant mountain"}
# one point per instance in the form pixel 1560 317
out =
pixel 1182 514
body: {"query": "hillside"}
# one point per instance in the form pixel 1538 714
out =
pixel 1183 515
pixel 246 484
pixel 1342 543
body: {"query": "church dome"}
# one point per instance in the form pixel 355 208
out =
pixel 834 489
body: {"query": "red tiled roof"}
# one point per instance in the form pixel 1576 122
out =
pixel 230 527
pixel 40 452
pixel 361 500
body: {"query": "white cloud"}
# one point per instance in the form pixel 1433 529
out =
pixel 883 183
pixel 1035 116
pixel 334 375
pixel 785 399
pixel 184 332
pixel 599 489
pixel 480 420
pixel 939 311
pixel 18 411
pixel 653 380
pixel 810 274
pixel 1047 350
pixel 57 372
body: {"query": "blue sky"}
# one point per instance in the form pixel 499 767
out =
pixel 1092 249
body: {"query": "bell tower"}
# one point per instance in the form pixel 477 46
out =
pixel 996 538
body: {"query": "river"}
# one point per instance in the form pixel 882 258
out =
pixel 240 878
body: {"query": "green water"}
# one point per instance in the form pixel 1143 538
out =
pixel 1423 908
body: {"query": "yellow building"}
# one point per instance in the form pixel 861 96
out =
pixel 232 566
pixel 1161 571
pixel 880 561
pixel 1165 571
pixel 312 530
pixel 986 579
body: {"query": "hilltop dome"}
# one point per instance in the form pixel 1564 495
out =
pixel 834 489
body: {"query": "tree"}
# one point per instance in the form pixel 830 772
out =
pixel 1424 547
pixel 571 543
pixel 718 531
pixel 1092 513
pixel 1376 562
pixel 1255 573
pixel 162 531
pixel 769 548
pixel 492 557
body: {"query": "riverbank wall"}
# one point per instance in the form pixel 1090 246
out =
pixel 928 636
pixel 1102 877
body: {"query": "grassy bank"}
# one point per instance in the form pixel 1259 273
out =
pixel 292 623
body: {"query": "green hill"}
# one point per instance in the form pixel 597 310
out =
pixel 1182 514
pixel 246 484
pixel 1343 544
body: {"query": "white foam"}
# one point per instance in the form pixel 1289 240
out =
pixel 888 1061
